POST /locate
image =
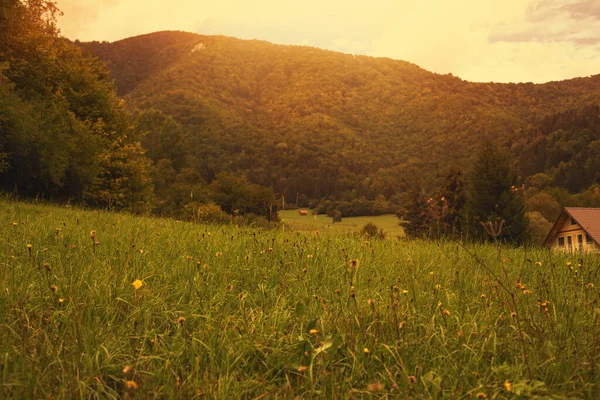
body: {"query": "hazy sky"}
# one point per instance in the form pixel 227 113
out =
pixel 477 40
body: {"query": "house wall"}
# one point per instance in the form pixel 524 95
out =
pixel 578 241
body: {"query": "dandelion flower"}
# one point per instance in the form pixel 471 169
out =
pixel 313 331
pixel 302 368
pixel 137 284
pixel 61 300
pixel 446 312
pixel 437 286
pixel 405 291
pixel 366 350
pixel 29 246
pixel 507 385
pixel 127 369
pixel 131 385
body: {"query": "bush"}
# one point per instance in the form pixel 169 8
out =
pixel 209 213
pixel 371 231
pixel 336 216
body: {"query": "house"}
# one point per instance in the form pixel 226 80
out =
pixel 303 212
pixel 576 229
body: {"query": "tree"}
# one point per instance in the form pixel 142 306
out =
pixel 493 196
pixel 417 218
pixel 450 204
pixel 65 133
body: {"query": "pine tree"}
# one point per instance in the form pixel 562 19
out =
pixel 495 198
pixel 417 217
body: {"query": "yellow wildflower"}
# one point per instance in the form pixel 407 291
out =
pixel 137 284
pixel 313 331
pixel 507 385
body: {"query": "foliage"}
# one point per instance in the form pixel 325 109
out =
pixel 241 312
pixel 62 124
pixel 371 231
pixel 336 216
pixel 493 197
pixel 326 126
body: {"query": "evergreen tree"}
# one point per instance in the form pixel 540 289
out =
pixel 417 217
pixel 494 198
pixel 451 201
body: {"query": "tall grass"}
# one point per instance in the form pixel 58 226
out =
pixel 230 312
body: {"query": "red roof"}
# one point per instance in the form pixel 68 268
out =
pixel 587 218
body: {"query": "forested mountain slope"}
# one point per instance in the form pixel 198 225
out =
pixel 315 123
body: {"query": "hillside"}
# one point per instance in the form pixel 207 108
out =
pixel 313 123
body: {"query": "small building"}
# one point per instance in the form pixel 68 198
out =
pixel 576 229
pixel 303 212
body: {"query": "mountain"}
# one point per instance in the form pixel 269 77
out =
pixel 313 123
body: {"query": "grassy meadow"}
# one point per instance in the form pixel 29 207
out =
pixel 101 305
pixel 349 225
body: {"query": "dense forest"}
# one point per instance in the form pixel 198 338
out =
pixel 194 126
pixel 350 133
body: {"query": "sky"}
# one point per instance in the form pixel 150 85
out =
pixel 476 40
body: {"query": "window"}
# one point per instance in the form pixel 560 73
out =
pixel 573 222
pixel 570 243
pixel 561 242
pixel 588 239
pixel 580 242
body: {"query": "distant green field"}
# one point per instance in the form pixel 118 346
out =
pixel 97 305
pixel 350 225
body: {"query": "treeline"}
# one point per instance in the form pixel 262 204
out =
pixel 66 135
